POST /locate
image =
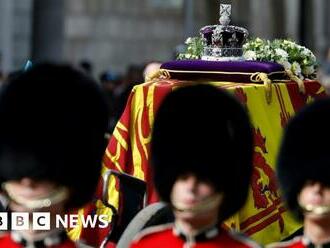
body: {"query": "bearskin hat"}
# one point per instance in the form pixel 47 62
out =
pixel 202 130
pixel 52 125
pixel 303 156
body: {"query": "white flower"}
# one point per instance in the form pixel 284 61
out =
pixel 299 59
pixel 280 52
pixel 312 58
pixel 188 40
pixel 267 49
pixel 285 63
pixel 289 43
pixel 308 70
pixel 305 52
pixel 250 55
pixel 296 69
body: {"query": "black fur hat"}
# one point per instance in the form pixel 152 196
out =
pixel 303 155
pixel 52 124
pixel 203 130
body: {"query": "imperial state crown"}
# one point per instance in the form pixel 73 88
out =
pixel 223 42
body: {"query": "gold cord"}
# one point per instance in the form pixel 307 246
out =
pixel 297 80
pixel 259 77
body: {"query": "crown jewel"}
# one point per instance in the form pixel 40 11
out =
pixel 223 42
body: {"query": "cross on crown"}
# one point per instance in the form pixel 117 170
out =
pixel 225 13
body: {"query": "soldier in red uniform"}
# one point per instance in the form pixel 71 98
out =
pixel 52 125
pixel 304 174
pixel 201 152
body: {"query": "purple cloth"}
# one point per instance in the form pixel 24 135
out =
pixel 193 66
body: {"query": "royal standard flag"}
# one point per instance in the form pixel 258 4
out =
pixel 264 217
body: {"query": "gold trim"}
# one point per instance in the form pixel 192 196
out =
pixel 263 77
pixel 297 80
pixel 223 72
pixel 255 77
pixel 57 196
pixel 317 210
pixel 159 74
pixel 206 205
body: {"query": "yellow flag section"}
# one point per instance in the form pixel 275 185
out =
pixel 264 216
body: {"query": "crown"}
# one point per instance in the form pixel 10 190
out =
pixel 223 42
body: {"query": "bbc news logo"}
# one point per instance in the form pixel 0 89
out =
pixel 42 221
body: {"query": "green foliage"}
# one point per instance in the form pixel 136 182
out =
pixel 194 49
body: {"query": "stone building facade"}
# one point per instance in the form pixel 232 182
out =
pixel 15 33
pixel 115 33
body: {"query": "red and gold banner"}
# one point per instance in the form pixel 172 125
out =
pixel 264 216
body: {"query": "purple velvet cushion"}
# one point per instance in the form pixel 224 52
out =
pixel 233 71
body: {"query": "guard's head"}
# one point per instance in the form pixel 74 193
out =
pixel 52 124
pixel 303 156
pixel 202 130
